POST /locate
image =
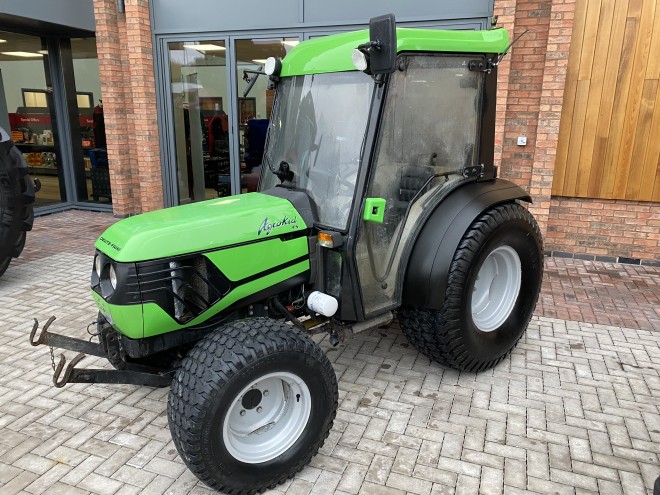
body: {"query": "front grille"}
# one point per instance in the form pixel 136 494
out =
pixel 183 287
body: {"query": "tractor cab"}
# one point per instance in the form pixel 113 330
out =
pixel 377 127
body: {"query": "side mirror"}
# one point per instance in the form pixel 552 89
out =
pixel 382 35
pixel 378 56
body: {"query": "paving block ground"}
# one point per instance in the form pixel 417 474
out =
pixel 574 409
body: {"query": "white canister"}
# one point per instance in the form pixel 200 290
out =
pixel 322 304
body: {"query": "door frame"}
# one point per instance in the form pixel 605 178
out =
pixel 165 110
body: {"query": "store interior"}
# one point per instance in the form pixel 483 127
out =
pixel 202 116
pixel 27 110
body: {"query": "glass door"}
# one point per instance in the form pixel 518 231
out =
pixel 254 108
pixel 94 165
pixel 200 117
pixel 28 99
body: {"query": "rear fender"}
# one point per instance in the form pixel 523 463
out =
pixel 425 283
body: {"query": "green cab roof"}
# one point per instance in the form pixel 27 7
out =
pixel 333 53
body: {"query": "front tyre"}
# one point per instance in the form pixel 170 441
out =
pixel 251 404
pixel 493 284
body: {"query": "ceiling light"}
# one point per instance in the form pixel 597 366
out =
pixel 260 61
pixel 204 47
pixel 3 41
pixel 43 52
pixel 290 42
pixel 23 54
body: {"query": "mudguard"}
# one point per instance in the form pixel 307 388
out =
pixel 425 283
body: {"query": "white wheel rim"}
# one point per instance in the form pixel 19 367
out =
pixel 267 417
pixel 496 288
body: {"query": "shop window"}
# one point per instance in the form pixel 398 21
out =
pixel 200 109
pixel 92 124
pixel 27 110
pixel 254 108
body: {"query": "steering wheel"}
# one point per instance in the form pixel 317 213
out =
pixel 345 174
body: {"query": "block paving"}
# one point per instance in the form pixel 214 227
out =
pixel 573 410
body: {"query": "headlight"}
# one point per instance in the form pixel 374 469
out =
pixel 97 265
pixel 108 280
pixel 113 277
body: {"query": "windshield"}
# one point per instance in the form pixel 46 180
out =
pixel 318 127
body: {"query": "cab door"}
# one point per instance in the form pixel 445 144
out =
pixel 428 135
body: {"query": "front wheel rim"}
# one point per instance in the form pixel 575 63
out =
pixel 496 288
pixel 267 417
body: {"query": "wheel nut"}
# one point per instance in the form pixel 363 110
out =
pixel 242 412
pixel 259 409
pixel 265 393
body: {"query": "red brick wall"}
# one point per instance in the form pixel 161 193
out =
pixel 525 80
pixel 505 10
pixel 604 227
pixel 128 89
pixel 560 30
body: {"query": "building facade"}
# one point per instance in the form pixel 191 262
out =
pixel 580 85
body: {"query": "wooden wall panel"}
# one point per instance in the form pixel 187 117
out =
pixel 609 138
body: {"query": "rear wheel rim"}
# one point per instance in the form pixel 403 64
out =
pixel 496 288
pixel 267 417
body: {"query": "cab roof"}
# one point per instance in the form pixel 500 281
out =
pixel 333 53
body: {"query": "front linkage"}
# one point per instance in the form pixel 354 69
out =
pixel 133 374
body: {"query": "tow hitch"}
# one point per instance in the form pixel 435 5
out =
pixel 135 375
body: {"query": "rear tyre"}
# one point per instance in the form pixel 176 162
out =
pixel 251 404
pixel 16 198
pixel 493 285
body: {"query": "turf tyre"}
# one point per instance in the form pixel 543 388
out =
pixel 450 335
pixel 210 380
pixel 16 201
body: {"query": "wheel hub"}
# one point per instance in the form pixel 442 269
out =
pixel 496 288
pixel 251 399
pixel 267 417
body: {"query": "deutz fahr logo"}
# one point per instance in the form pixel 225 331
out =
pixel 110 243
pixel 267 226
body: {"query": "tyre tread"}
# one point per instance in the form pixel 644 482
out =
pixel 436 333
pixel 212 363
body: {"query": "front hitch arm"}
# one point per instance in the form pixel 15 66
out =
pixel 64 342
pixel 135 374
pixel 73 375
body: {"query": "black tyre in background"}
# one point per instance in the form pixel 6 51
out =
pixel 16 201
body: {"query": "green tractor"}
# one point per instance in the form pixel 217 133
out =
pixel 378 198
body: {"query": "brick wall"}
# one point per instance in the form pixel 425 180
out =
pixel 601 227
pixel 505 10
pixel 128 89
pixel 524 89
